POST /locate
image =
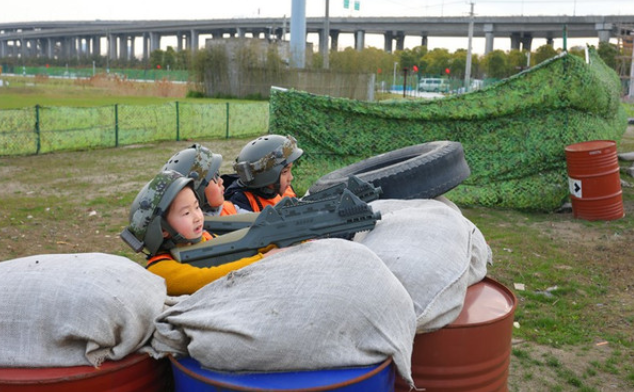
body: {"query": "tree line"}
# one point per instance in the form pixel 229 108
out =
pixel 497 64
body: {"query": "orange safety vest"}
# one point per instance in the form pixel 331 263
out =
pixel 168 256
pixel 258 203
pixel 228 208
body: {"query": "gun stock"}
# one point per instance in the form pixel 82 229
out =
pixel 288 223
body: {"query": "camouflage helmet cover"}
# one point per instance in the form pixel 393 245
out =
pixel 261 161
pixel 151 203
pixel 199 163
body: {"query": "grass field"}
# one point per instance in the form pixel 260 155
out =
pixel 575 312
pixel 21 92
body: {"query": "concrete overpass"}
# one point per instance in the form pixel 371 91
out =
pixel 84 38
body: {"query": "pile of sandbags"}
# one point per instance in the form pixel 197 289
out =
pixel 323 304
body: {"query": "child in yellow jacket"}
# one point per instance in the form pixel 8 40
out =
pixel 166 214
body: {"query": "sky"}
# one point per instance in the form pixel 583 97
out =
pixel 53 10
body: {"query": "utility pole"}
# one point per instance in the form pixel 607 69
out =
pixel 298 34
pixel 325 38
pixel 467 72
pixel 630 94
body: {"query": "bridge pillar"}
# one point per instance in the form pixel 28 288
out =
pixel 146 46
pixel 323 41
pixel 489 37
pixel 424 39
pixel 41 47
pixel 96 45
pixel 179 41
pixel 15 50
pixel 31 45
pixel 515 41
pixel 400 40
pixel 65 48
pixel 155 41
pixel 123 47
pixel 387 41
pixel 72 47
pixel 193 44
pixel 527 40
pixel 132 51
pixel 604 31
pixel 4 48
pixel 88 48
pixel 112 46
pixel 279 34
pixel 241 32
pixel 188 41
pixel 334 40
pixel 359 40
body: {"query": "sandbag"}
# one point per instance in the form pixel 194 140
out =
pixel 434 251
pixel 60 310
pixel 322 304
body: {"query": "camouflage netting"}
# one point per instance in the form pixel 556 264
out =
pixel 513 133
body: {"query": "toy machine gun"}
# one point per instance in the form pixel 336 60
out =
pixel 362 189
pixel 337 212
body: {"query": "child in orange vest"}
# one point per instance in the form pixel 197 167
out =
pixel 264 171
pixel 203 166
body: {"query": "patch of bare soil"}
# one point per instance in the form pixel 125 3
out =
pixel 541 368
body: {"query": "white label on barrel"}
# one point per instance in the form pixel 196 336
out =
pixel 575 187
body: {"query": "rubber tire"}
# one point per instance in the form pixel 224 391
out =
pixel 422 171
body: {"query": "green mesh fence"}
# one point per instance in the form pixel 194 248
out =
pixel 513 132
pixel 87 72
pixel 47 129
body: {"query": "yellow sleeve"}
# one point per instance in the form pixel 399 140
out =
pixel 182 278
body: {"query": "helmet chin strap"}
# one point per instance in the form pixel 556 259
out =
pixel 266 192
pixel 175 237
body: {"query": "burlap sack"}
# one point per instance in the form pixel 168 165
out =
pixel 75 309
pixel 434 251
pixel 323 304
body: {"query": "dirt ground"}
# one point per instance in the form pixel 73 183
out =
pixel 78 202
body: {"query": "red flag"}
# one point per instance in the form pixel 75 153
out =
pixel 158 66
pixel 447 70
pixel 415 68
pixel 378 70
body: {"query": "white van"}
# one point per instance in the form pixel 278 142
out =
pixel 436 85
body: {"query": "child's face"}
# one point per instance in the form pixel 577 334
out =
pixel 214 192
pixel 286 177
pixel 185 215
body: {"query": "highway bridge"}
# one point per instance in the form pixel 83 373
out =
pixel 119 39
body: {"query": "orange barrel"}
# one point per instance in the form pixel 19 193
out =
pixel 472 354
pixel 134 373
pixel 594 181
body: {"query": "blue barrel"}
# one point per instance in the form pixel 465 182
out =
pixel 190 376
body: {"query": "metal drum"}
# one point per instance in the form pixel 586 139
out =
pixel 134 373
pixel 472 354
pixel 594 180
pixel 190 376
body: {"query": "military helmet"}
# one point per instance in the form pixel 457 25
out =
pixel 148 209
pixel 199 163
pixel 261 161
